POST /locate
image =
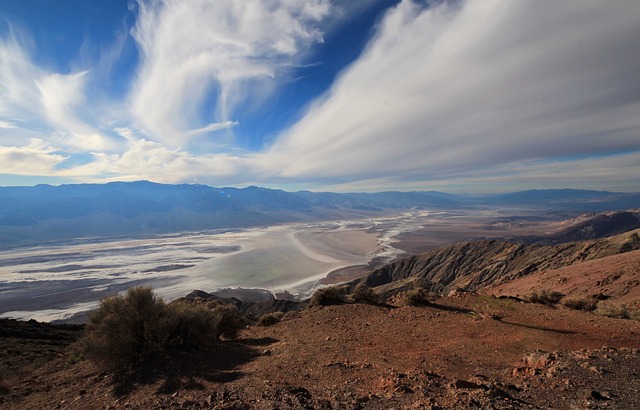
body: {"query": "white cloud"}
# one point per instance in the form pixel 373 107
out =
pixel 149 160
pixel 461 90
pixel 194 48
pixel 36 158
pixel 48 102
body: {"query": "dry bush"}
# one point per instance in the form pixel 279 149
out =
pixel 546 297
pixel 621 311
pixel 192 325
pixel 580 304
pixel 229 321
pixel 270 319
pixel 128 330
pixel 331 295
pixel 364 294
pixel 416 297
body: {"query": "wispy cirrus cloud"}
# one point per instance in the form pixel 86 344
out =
pixel 466 88
pixel 193 50
pixel 43 101
pixel 475 95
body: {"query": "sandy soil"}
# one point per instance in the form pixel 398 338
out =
pixel 616 277
pixel 461 352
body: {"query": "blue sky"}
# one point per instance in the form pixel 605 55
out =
pixel 364 95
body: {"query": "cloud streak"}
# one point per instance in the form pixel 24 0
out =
pixel 192 50
pixel 456 91
pixel 470 95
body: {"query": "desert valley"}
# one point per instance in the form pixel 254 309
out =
pixel 319 204
pixel 475 306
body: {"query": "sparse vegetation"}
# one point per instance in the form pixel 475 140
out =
pixel 416 297
pixel 228 321
pixel 584 305
pixel 129 329
pixel 621 311
pixel 364 294
pixel 331 295
pixel 270 319
pixel 546 297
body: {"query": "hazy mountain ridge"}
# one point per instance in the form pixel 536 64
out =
pixel 45 213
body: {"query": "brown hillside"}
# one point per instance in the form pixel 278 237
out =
pixel 474 265
pixel 615 277
pixel 462 352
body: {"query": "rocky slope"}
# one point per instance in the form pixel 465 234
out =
pixel 591 226
pixel 457 353
pixel 474 265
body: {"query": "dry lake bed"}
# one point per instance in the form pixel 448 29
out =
pixel 49 283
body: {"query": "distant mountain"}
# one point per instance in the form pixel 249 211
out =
pixel 50 213
pixel 45 213
pixel 569 199
pixel 382 200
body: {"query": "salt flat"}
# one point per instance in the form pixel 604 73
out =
pixel 55 282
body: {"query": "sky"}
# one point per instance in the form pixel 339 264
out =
pixel 325 95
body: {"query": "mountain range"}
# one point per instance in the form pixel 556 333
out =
pixel 45 213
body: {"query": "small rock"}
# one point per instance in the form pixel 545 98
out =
pixel 464 384
pixel 600 395
pixel 403 388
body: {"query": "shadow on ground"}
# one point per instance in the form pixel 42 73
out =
pixel 181 370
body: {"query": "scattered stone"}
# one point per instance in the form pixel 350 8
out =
pixel 600 395
pixel 465 384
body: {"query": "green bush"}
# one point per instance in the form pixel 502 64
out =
pixel 364 294
pixel 331 295
pixel 270 319
pixel 546 297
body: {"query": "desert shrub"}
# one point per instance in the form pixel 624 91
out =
pixel 415 297
pixel 270 319
pixel 364 294
pixel 127 330
pixel 580 304
pixel 229 321
pixel 616 311
pixel 546 297
pixel 331 295
pixel 192 325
